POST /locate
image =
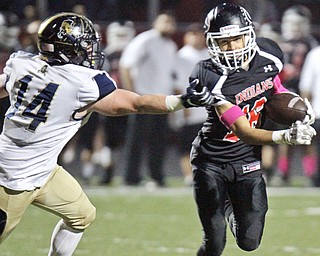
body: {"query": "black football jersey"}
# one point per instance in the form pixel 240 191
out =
pixel 249 89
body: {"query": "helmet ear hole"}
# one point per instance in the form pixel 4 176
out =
pixel 229 21
pixel 64 39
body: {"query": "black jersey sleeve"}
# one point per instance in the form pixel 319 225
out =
pixel 270 46
pixel 195 72
pixel 206 72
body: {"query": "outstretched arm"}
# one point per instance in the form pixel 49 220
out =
pixel 123 102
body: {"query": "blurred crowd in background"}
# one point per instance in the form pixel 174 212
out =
pixel 106 147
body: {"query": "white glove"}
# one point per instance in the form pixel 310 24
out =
pixel 298 134
pixel 311 115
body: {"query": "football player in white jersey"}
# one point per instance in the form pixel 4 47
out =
pixel 51 95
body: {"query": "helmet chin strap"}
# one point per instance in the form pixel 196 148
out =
pixel 245 62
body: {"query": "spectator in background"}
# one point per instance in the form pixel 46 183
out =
pixel 9 31
pixel 297 41
pixel 310 88
pixel 269 152
pixel 119 34
pixel 146 67
pixel 187 123
pixel 262 10
pixel 29 39
pixel 9 40
pixel 114 129
pixel 79 9
pixel 30 13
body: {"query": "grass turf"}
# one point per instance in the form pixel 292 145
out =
pixel 138 222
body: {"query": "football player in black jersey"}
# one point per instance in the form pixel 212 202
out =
pixel 242 74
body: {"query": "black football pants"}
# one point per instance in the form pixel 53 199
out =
pixel 214 186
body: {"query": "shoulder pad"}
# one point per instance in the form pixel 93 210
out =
pixel 270 46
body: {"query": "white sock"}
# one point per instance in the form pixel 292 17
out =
pixel 64 240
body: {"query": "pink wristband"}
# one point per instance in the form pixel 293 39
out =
pixel 231 115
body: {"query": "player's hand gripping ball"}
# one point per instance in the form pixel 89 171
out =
pixel 286 108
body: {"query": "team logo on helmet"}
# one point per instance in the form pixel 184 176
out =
pixel 207 21
pixel 66 28
pixel 246 16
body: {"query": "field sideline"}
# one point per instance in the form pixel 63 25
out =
pixel 163 222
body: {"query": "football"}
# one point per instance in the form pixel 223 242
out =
pixel 285 108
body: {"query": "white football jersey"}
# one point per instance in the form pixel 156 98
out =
pixel 41 118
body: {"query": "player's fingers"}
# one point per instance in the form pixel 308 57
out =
pixel 307 102
pixel 306 120
pixel 312 131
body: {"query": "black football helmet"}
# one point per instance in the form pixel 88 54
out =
pixel 229 20
pixel 69 38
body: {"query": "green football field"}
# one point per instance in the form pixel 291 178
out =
pixel 163 222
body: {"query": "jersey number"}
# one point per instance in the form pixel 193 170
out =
pixel 38 107
pixel 253 116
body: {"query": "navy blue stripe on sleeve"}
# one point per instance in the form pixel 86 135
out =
pixel 105 85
